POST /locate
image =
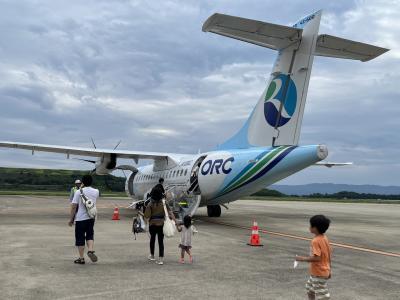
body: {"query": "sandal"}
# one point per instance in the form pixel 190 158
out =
pixel 79 261
pixel 92 256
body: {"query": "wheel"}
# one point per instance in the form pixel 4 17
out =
pixel 217 211
pixel 214 211
pixel 210 211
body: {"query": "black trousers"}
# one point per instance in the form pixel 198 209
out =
pixel 156 230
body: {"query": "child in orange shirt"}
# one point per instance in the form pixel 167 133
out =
pixel 319 259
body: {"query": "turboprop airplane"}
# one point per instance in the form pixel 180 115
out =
pixel 265 150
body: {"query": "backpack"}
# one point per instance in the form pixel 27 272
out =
pixel 138 225
pixel 89 205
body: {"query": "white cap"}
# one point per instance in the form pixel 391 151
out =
pixel 77 181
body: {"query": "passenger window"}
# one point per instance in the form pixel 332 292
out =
pixel 185 172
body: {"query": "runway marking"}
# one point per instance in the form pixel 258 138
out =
pixel 297 237
pixel 124 291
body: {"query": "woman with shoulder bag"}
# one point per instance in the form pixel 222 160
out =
pixel 155 214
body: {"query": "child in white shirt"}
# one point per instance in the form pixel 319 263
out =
pixel 186 238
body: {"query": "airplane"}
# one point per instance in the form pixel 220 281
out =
pixel 265 150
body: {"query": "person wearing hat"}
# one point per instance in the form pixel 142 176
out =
pixel 74 189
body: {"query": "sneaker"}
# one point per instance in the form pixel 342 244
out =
pixel 151 258
pixel 191 259
pixel 181 260
pixel 160 261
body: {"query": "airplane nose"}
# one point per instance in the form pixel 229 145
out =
pixel 322 151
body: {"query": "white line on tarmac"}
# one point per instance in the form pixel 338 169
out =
pixel 114 292
pixel 297 237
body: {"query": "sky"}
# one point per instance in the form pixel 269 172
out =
pixel 143 72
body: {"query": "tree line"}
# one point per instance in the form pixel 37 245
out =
pixel 338 195
pixel 24 179
pixel 54 180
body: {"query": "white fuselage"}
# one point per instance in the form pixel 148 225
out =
pixel 224 176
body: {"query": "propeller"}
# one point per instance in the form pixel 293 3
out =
pixel 87 160
pixel 117 144
pixel 94 145
pixel 122 167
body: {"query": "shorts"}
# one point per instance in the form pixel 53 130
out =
pixel 318 286
pixel 84 231
pixel 183 247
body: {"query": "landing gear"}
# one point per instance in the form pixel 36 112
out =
pixel 214 211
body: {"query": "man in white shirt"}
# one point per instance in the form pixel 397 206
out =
pixel 84 225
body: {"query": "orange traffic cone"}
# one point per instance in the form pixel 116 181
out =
pixel 115 216
pixel 255 236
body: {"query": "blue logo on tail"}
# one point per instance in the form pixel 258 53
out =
pixel 274 98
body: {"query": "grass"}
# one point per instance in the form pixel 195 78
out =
pixel 331 200
pixel 54 193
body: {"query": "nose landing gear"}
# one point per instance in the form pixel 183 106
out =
pixel 214 211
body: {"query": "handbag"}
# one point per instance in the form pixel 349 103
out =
pixel 138 225
pixel 169 225
pixel 89 205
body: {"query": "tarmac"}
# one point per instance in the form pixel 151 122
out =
pixel 37 253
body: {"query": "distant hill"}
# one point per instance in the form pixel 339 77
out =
pixel 332 188
pixel 53 180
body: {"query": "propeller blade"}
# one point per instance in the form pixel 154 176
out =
pixel 117 144
pixel 94 145
pixel 87 160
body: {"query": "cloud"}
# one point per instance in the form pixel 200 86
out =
pixel 143 72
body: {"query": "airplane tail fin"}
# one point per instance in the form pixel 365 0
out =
pixel 277 117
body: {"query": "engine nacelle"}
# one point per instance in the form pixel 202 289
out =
pixel 106 164
pixel 129 185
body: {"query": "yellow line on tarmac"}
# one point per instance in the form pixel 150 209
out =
pixel 297 237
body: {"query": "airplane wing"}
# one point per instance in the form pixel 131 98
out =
pixel 332 164
pixel 333 46
pixel 263 34
pixel 136 155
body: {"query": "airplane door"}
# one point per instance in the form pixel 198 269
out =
pixel 193 184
